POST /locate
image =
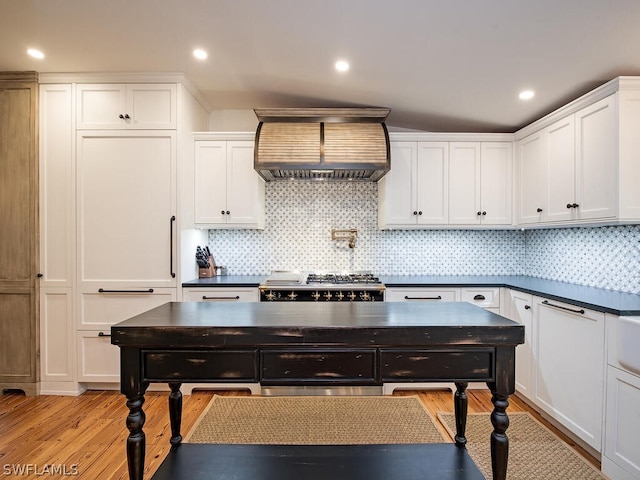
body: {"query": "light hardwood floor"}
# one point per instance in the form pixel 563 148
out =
pixel 89 433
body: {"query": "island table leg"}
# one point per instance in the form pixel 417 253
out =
pixel 136 441
pixel 460 405
pixel 175 413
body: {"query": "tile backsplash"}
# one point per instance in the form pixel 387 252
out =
pixel 301 214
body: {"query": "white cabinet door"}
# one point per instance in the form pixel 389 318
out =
pixel 57 347
pixel 621 460
pixel 422 295
pixel 432 183
pixel 221 294
pixel 98 360
pixel 397 189
pixel 57 189
pixel 464 183
pixel 126 204
pixel 210 182
pixel 561 172
pixel 521 311
pixel 101 308
pixel 532 178
pixel 569 351
pixel 496 195
pixel 596 160
pixel 119 106
pixel 228 191
pixel 245 189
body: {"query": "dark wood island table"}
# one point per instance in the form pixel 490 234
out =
pixel 302 344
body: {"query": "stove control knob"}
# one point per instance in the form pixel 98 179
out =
pixel 352 296
pixel 271 296
pixel 327 296
pixel 292 296
pixel 365 296
pixel 315 295
pixel 339 296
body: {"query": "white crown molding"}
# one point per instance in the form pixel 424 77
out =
pixel 603 91
pixel 449 137
pixel 238 136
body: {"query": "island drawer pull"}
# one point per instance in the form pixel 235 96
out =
pixel 581 311
pixel 102 334
pixel 103 290
pixel 439 297
pixel 479 297
pixel 237 297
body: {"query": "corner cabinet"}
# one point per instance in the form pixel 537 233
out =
pixel 19 324
pixel 228 191
pixel 581 167
pixel 436 184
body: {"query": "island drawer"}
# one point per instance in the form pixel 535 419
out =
pixel 201 365
pixel 318 366
pixel 422 365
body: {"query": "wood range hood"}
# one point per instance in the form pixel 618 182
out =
pixel 350 144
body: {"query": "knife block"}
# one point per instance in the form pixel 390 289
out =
pixel 209 271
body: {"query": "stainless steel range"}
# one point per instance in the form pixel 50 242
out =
pixel 321 287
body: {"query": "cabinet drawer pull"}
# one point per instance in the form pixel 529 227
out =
pixel 102 290
pixel 527 307
pixel 581 311
pixel 479 297
pixel 102 334
pixel 406 297
pixel 237 297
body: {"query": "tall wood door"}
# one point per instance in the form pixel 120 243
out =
pixel 18 232
pixel 126 209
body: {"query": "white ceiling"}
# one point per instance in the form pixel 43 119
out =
pixel 440 65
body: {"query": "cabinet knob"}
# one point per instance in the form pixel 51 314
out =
pixel 527 307
pixel 575 205
pixel 484 213
pixel 569 205
pixel 227 212
pixel 40 275
pixel 539 210
pixel 415 212
pixel 479 213
pixel 121 116
pixel 126 116
pixel 420 212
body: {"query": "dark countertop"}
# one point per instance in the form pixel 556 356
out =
pixel 599 299
pixel 201 324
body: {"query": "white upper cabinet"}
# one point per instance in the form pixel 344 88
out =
pixel 480 183
pixel 582 164
pixel 130 106
pixel 228 191
pixel 414 192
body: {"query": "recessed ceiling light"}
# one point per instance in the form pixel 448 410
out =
pixel 342 65
pixel 526 95
pixel 35 53
pixel 200 54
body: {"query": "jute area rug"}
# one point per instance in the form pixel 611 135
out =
pixel 311 420
pixel 535 453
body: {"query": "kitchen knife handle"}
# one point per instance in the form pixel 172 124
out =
pixel 171 221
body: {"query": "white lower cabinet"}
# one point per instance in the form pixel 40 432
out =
pixel 621 460
pixel 57 349
pixel 568 351
pixel 221 294
pixel 98 360
pixel 520 309
pixel 416 294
